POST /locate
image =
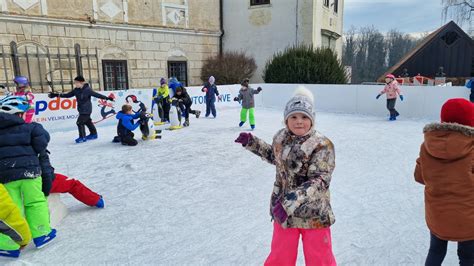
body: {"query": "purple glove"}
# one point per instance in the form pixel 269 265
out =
pixel 244 138
pixel 279 213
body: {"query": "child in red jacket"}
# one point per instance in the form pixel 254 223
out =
pixel 58 183
pixel 64 184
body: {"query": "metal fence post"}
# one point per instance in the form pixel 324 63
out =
pixel 28 64
pixel 15 61
pixel 39 68
pixel 70 67
pixel 98 70
pixel 60 69
pixel 77 50
pixel 51 75
pixel 5 68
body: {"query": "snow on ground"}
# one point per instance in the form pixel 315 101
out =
pixel 196 198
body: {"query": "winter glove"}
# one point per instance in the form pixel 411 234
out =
pixel 378 96
pixel 259 89
pixel 244 139
pixel 401 97
pixel 217 93
pixel 47 180
pixel 174 101
pixel 236 99
pixel 53 95
pixel 279 213
pixel 110 99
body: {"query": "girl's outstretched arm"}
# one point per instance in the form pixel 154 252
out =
pixel 261 149
pixel 257 146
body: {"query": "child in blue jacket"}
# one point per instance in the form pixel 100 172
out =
pixel 211 91
pixel 126 125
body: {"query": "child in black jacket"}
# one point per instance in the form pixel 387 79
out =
pixel 185 103
pixel 83 93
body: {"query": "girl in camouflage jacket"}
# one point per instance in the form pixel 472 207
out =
pixel 300 202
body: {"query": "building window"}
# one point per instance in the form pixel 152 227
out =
pixel 115 74
pixel 179 70
pixel 329 39
pixel 328 42
pixel 450 37
pixel 326 3
pixel 259 2
pixel 336 5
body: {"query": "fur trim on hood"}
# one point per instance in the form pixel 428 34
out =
pixel 466 130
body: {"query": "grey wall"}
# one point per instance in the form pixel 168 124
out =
pixel 260 31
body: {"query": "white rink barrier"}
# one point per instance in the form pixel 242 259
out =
pixel 57 210
pixel 420 102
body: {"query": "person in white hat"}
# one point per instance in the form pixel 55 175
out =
pixel 300 202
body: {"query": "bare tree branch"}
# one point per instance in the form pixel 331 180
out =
pixel 459 10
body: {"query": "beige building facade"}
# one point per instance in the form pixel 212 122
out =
pixel 264 27
pixel 115 44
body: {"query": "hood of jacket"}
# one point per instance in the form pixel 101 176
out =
pixel 9 120
pixel 448 141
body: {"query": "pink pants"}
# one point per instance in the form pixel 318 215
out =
pixel 317 246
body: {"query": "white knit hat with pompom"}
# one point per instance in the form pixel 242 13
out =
pixel 301 102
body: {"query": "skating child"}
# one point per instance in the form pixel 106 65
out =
pixel 392 89
pixel 446 168
pixel 300 202
pixel 246 95
pixel 23 89
pixel 20 171
pixel 126 125
pixel 173 83
pixel 59 183
pixel 185 103
pixel 211 91
pixel 12 225
pixel 163 99
pixel 83 93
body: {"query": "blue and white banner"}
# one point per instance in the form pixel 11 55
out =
pixel 60 114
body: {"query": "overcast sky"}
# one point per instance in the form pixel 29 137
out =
pixel 409 16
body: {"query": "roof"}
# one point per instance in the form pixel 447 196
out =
pixel 424 44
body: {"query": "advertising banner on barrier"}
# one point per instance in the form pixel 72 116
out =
pixel 225 98
pixel 60 114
